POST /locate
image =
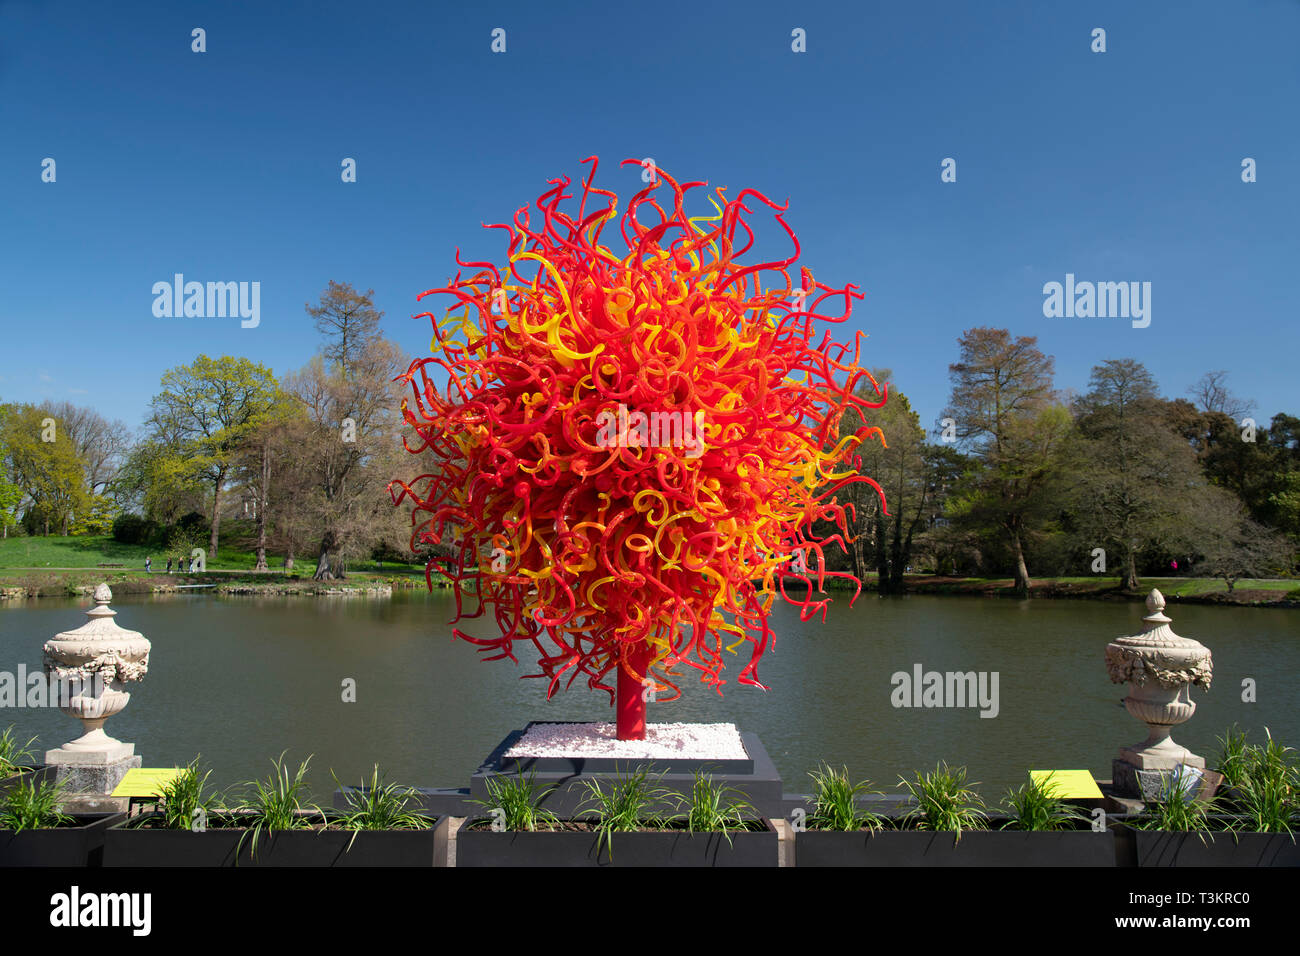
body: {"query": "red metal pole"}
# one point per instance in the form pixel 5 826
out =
pixel 630 705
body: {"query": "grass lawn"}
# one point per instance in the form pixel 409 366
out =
pixel 18 554
pixel 1085 585
pixel 21 557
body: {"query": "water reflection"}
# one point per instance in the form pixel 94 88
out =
pixel 239 679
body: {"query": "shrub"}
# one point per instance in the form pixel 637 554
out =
pixel 134 529
pixel 194 524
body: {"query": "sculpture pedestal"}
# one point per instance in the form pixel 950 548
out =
pixel 754 775
pixel 97 771
pixel 1147 784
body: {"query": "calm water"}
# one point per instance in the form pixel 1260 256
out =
pixel 241 679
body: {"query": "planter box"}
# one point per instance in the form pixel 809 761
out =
pixel 72 846
pixel 33 775
pixel 976 848
pixel 127 846
pixel 649 848
pixel 1158 848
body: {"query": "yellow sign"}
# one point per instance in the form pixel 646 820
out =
pixel 146 781
pixel 1068 784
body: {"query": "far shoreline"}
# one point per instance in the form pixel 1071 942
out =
pixel 21 585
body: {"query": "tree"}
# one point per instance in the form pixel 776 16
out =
pixel 95 517
pixel 1212 395
pixel 182 541
pixel 44 463
pixel 351 450
pixel 1132 473
pixel 158 481
pixel 348 320
pixel 1231 545
pixel 1003 407
pixel 268 451
pixel 905 469
pixel 203 414
pixel 942 543
pixel 101 444
pixel 11 494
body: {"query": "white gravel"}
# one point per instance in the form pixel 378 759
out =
pixel 662 741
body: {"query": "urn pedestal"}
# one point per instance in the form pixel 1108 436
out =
pixel 92 665
pixel 1160 668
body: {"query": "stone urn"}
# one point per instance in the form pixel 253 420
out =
pixel 1160 669
pixel 91 666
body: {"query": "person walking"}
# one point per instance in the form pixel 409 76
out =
pixel 169 565
pixel 148 565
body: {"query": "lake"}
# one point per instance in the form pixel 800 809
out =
pixel 239 679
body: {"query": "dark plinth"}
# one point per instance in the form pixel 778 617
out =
pixel 484 848
pixel 565 778
pixel 133 846
pixel 80 843
pixel 977 848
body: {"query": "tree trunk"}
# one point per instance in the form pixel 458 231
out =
pixel 1022 572
pixel 262 495
pixel 328 567
pixel 216 515
pixel 896 557
pixel 882 556
pixel 1131 581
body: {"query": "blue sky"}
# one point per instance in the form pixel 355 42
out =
pixel 224 166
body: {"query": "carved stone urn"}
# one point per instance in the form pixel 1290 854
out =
pixel 1160 669
pixel 92 665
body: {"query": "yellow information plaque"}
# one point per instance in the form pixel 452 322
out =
pixel 146 781
pixel 1068 784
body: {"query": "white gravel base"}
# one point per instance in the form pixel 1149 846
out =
pixel 662 742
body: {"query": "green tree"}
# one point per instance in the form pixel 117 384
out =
pixel 11 494
pixel 159 482
pixel 43 462
pixel 204 414
pixel 96 518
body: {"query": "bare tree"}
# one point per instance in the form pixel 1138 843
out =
pixel 348 320
pixel 1003 405
pixel 1233 546
pixel 1211 395
pixel 101 444
pixel 351 451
